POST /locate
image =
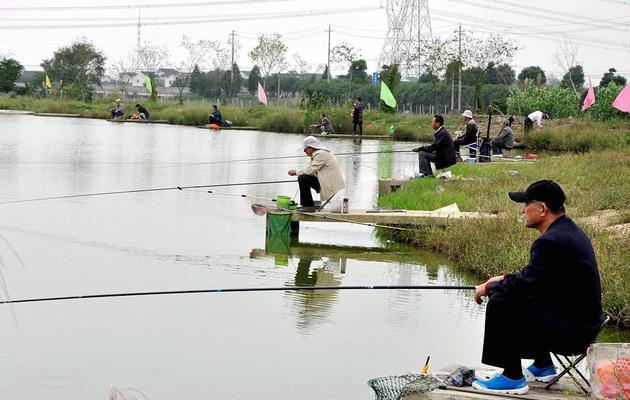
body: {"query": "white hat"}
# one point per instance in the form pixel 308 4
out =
pixel 467 114
pixel 311 141
pixel 117 100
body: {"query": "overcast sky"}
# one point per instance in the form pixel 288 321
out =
pixel 32 30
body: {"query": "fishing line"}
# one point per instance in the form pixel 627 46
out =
pixel 144 191
pixel 281 158
pixel 234 290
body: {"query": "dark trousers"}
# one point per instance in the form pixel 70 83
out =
pixel 497 147
pixel 528 124
pixel 514 331
pixel 117 114
pixel 425 159
pixel 459 142
pixel 306 182
pixel 354 127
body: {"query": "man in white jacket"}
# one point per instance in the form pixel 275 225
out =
pixel 322 174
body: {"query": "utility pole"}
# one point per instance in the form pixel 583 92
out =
pixel 328 64
pixel 232 65
pixel 452 90
pixel 459 64
pixel 278 89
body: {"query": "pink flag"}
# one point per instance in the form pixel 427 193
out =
pixel 589 100
pixel 622 102
pixel 262 96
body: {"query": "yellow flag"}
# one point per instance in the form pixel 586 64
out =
pixel 48 84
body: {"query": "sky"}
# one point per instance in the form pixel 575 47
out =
pixel 31 31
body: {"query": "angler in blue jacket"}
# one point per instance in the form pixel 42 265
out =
pixel 552 304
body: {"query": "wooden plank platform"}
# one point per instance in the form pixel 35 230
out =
pixel 231 128
pixel 441 216
pixel 16 112
pixel 57 115
pixel 564 390
pixel 345 136
pixel 141 121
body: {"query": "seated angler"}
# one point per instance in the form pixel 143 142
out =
pixel 552 305
pixel 441 151
pixel 322 174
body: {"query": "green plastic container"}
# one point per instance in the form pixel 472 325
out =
pixel 283 201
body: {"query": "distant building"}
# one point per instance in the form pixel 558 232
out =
pixel 134 83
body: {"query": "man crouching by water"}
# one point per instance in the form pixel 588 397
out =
pixel 552 304
pixel 322 174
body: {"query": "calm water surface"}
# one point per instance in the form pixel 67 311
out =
pixel 238 345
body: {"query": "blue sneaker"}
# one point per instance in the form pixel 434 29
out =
pixel 544 375
pixel 501 384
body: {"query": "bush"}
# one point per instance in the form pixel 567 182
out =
pixel 603 109
pixel 558 102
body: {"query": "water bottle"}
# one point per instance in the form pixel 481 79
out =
pixel 345 208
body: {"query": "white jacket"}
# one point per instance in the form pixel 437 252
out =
pixel 324 166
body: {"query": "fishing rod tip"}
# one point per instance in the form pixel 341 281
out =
pixel 179 188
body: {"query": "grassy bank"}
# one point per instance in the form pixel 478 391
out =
pixel 597 187
pixel 578 135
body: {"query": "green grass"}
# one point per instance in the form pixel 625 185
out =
pixel 575 135
pixel 594 181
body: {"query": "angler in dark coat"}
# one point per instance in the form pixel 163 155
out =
pixel 552 304
pixel 441 151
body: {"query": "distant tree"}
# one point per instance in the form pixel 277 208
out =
pixel 573 79
pixel 237 83
pixel 253 79
pixel 269 54
pixel 126 68
pixel 610 76
pixel 196 53
pixel 325 74
pixel 151 59
pixel 357 72
pixel 532 74
pixel 505 74
pixel 196 81
pixel 10 71
pixel 77 65
pixel 344 54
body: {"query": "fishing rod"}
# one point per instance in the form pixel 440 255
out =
pixel 280 158
pixel 236 290
pixel 73 196
pixel 316 215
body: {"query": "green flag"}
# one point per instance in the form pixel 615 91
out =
pixel 387 96
pixel 148 83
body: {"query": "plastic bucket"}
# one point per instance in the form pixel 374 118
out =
pixel 283 201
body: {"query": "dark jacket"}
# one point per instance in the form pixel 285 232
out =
pixel 561 285
pixel 216 117
pixel 357 112
pixel 505 138
pixel 143 110
pixel 470 136
pixel 443 148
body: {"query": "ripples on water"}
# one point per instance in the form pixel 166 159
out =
pixel 283 345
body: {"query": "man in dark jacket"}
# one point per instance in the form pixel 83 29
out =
pixel 216 117
pixel 143 113
pixel 552 304
pixel 441 151
pixel 504 140
pixel 357 116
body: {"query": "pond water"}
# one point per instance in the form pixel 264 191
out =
pixel 282 345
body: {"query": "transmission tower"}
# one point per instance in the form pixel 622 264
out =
pixel 408 28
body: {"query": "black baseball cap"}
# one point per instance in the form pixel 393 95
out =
pixel 545 191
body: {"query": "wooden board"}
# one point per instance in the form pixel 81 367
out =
pixel 399 217
pixel 16 112
pixel 141 121
pixel 232 128
pixel 57 115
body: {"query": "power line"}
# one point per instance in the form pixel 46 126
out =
pixel 134 6
pixel 296 14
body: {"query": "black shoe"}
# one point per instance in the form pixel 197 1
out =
pixel 306 209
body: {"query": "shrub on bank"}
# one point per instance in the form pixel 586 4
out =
pixel 593 182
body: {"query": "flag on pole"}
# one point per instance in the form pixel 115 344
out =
pixel 387 96
pixel 262 96
pixel 48 83
pixel 148 83
pixel 589 100
pixel 622 102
